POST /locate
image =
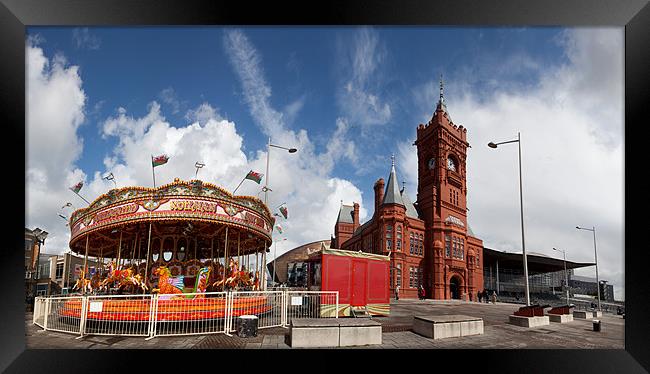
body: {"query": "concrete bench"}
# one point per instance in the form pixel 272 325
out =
pixel 334 332
pixel 584 314
pixel 447 326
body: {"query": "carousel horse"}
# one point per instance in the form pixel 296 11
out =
pixel 116 276
pixel 83 284
pixel 256 281
pixel 174 285
pixel 132 282
pixel 166 283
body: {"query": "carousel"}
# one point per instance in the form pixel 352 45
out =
pixel 186 242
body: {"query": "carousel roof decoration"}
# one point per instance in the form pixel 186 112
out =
pixel 201 203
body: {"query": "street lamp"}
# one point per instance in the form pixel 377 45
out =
pixel 566 277
pixel 268 151
pixel 266 188
pixel 198 165
pixel 521 202
pixel 40 236
pixel 593 229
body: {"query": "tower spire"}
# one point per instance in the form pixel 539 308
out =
pixel 392 159
pixel 442 86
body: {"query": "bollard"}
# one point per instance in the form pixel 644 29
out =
pixel 247 326
pixel 596 325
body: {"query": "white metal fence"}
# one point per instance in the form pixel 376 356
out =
pixel 173 315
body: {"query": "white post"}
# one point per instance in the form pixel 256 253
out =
pixel 47 312
pixel 336 312
pixel 84 315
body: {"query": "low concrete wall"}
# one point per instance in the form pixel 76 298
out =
pixel 355 332
pixel 560 318
pixel 447 326
pixel 340 332
pixel 529 321
pixel 314 332
pixel 584 314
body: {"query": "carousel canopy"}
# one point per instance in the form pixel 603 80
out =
pixel 192 217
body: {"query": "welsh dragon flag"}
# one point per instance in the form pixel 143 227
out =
pixel 77 187
pixel 159 160
pixel 279 228
pixel 285 212
pixel 254 176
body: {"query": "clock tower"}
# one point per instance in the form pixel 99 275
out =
pixel 453 256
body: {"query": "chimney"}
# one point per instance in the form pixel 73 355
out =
pixel 379 193
pixel 355 217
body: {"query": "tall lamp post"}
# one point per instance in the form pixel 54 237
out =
pixel 593 229
pixel 566 277
pixel 521 203
pixel 266 188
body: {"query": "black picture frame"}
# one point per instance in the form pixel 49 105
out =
pixel 16 15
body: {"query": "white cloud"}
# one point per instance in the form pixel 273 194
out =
pixel 170 97
pixel 571 128
pixel 359 97
pixel 83 39
pixel 303 178
pixel 202 114
pixel 55 104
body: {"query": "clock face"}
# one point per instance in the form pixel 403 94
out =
pixel 432 163
pixel 451 164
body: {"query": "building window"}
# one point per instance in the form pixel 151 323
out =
pixel 411 243
pixel 420 272
pixel 462 248
pixel 389 237
pixel 447 246
pixel 59 271
pixel 398 242
pixel 411 277
pixel 421 242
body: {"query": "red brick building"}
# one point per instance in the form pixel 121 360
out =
pixel 430 242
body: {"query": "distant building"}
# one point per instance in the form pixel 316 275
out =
pixel 57 274
pixel 587 286
pixel 292 265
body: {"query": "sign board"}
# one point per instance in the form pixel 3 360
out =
pixel 296 300
pixel 95 306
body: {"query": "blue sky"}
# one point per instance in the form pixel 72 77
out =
pixel 103 99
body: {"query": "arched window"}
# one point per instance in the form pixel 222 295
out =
pixel 411 242
pixel 168 248
pixel 421 242
pixel 181 249
pixel 155 250
pixel 398 242
pixel 452 164
pixel 389 237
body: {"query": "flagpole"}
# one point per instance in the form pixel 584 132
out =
pixel 242 181
pixel 82 198
pixel 153 172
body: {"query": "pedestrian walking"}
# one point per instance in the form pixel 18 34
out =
pixel 485 296
pixel 479 296
pixel 397 293
pixel 494 297
pixel 421 292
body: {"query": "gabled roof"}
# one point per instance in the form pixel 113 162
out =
pixel 410 209
pixel 346 214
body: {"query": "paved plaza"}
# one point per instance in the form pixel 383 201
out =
pixel 396 333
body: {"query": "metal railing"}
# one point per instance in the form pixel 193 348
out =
pixel 174 315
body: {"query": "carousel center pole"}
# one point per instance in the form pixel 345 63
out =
pixel 239 264
pixel 146 269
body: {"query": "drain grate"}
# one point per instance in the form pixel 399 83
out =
pixel 396 328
